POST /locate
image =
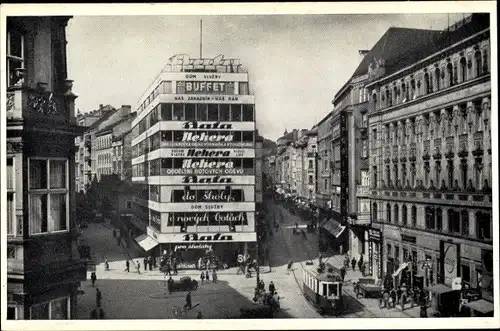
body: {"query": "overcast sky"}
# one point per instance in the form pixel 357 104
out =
pixel 296 63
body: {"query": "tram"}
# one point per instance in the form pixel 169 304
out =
pixel 323 290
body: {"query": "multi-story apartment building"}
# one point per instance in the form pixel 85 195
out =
pixel 194 157
pixel 352 102
pixel 44 269
pixel 306 149
pixel 108 146
pixel 431 161
pixel 93 144
pixel 323 161
pixel 83 144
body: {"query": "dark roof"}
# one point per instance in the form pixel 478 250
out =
pixel 443 39
pixel 119 137
pixel 112 125
pixel 103 118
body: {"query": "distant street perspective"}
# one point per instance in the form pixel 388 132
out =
pixel 250 166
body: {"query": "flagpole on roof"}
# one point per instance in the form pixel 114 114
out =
pixel 201 39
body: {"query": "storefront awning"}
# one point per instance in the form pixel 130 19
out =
pixel 482 306
pixel 334 227
pixel 146 242
pixel 440 288
pixel 401 267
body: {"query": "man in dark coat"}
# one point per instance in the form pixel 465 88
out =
pixel 170 282
pixel 127 266
pixel 98 298
pixel 342 273
pixel 188 301
pixel 93 314
pixel 145 263
pixel 272 288
pixel 150 262
pixel 353 263
pixel 93 278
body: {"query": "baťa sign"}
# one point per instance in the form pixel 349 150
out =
pixel 207 237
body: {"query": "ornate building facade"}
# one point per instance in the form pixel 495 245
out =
pixel 44 269
pixel 431 161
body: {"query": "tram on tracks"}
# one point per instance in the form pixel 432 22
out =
pixel 323 289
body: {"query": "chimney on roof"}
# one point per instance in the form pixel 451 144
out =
pixel 126 109
pixel 362 54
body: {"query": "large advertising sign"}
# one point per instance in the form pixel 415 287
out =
pixel 451 257
pixel 202 152
pixel 205 87
pixel 202 180
pixel 194 238
pixel 344 171
pixel 221 171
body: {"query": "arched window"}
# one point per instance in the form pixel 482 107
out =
pixel 429 218
pixel 414 216
pixel 374 98
pixel 449 72
pixel 439 219
pixel 485 62
pixel 438 78
pixel 404 210
pixel 396 214
pixel 388 97
pixel 427 87
pixel 404 92
pixel 463 69
pixel 412 89
pixel 374 212
pixel 464 218
pixel 388 213
pixel 477 60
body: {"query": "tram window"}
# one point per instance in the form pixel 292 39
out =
pixel 213 112
pixel 190 111
pixel 325 289
pixel 178 112
pixel 224 113
pixel 333 289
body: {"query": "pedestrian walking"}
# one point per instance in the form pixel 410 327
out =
pixel 93 278
pixel 353 263
pixel 289 267
pixel 360 263
pixel 272 288
pixel 145 263
pixel 127 266
pixel 101 314
pixel 342 273
pixel 138 267
pixel 154 262
pixel 175 266
pixel 168 269
pixel 207 275
pixel 93 314
pixel 214 276
pixel 150 263
pixel 106 264
pixel 346 261
pixel 202 276
pixel 170 283
pixel 188 304
pixel 199 316
pixel 98 297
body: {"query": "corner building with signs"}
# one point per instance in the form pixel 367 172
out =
pixel 193 157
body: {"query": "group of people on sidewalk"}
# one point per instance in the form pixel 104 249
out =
pixel 270 298
pixel 206 275
pixel 98 312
